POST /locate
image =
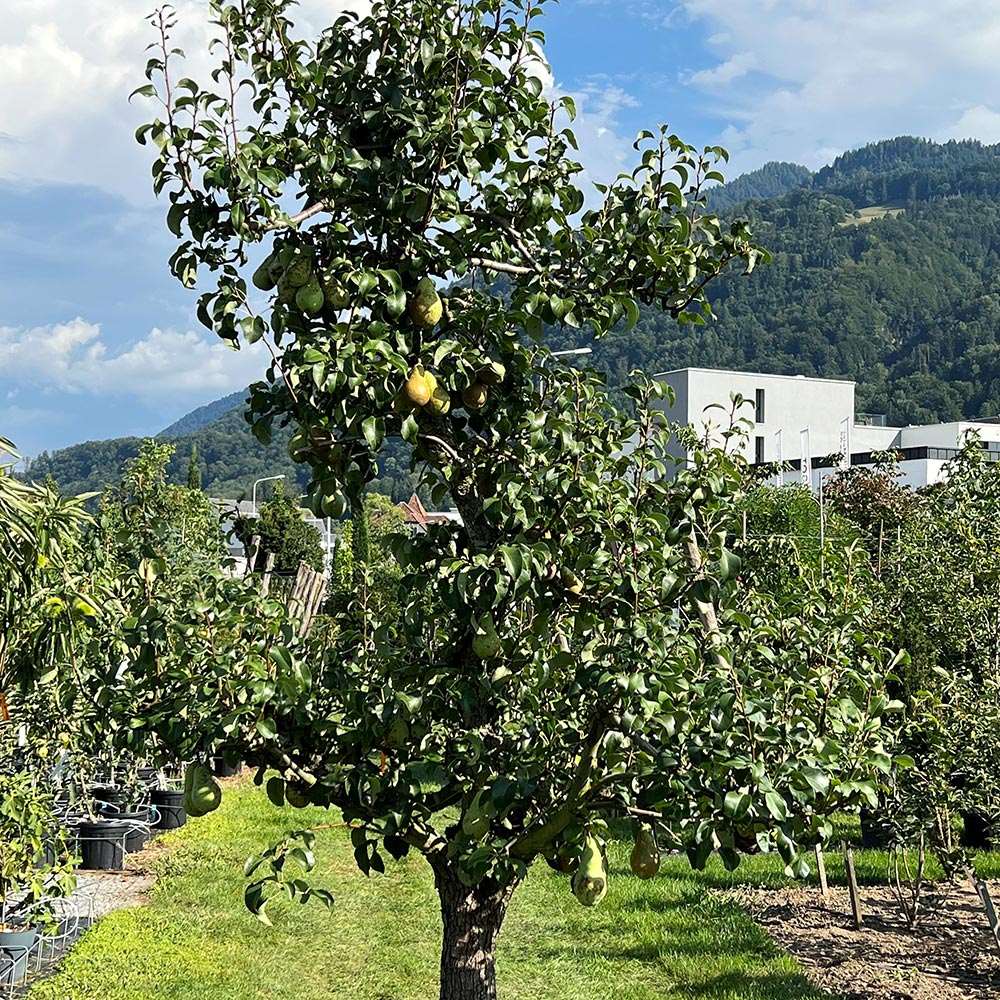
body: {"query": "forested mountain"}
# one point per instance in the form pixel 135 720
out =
pixel 229 456
pixel 886 271
pixel 901 295
pixel 769 181
pixel 204 415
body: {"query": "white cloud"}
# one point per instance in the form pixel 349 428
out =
pixel 725 73
pixel 803 79
pixel 66 70
pixel 71 357
pixel 979 122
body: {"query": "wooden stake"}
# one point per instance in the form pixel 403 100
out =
pixel 991 913
pixel 824 888
pixel 852 885
pixel 266 580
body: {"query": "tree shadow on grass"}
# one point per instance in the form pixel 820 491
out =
pixel 759 986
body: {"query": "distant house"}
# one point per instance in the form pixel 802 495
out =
pixel 417 517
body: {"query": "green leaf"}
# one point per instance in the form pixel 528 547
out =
pixel 776 806
pixel 275 789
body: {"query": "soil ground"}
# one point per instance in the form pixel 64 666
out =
pixel 952 953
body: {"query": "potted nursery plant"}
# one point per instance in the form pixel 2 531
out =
pixel 101 836
pixel 34 869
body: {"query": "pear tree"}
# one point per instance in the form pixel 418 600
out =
pixel 395 209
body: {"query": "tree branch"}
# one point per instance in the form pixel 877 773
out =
pixel 529 844
pixel 299 217
pixel 499 265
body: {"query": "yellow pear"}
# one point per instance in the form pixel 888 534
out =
pixel 475 396
pixel 418 388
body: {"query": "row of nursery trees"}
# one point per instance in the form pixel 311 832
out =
pixel 597 644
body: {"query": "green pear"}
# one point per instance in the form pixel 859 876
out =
pixel 299 272
pixel 486 643
pixel 645 859
pixel 263 277
pixel 425 308
pixel 440 401
pixel 419 387
pixel 309 298
pixel 475 396
pixel 590 882
pixel 336 295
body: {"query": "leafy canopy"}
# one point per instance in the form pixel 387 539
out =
pixel 576 649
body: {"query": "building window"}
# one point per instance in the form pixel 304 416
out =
pixel 758 449
pixel 759 406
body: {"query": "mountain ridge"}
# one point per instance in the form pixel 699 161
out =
pixel 906 304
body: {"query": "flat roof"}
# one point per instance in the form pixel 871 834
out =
pixel 729 371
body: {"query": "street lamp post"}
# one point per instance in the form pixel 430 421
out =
pixel 542 382
pixel 266 479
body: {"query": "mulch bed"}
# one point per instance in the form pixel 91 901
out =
pixel 952 953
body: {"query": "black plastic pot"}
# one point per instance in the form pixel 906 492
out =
pixel 102 844
pixel 15 947
pixel 111 794
pixel 979 831
pixel 169 808
pixel 223 767
pixel 138 828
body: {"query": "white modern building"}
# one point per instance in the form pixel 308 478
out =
pixel 795 420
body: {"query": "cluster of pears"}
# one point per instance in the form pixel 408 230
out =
pixel 422 390
pixel 293 273
pixel 589 868
pixel 298 278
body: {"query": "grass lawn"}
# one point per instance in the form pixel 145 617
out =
pixel 667 939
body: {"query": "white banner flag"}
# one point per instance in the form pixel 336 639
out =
pixel 806 470
pixel 779 476
pixel 845 443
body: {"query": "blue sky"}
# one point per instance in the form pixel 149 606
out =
pixel 96 339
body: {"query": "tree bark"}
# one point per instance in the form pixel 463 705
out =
pixel 471 918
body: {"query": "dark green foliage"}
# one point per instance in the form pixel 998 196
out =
pixel 782 539
pixel 85 468
pixel 229 457
pixel 367 568
pixel 194 470
pixel 897 160
pixel 282 531
pixel 146 517
pixel 360 540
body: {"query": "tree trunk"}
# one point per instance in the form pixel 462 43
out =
pixel 472 916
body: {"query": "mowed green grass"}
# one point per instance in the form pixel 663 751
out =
pixel 670 938
pixel 871 213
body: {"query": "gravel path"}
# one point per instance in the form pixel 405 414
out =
pixel 96 895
